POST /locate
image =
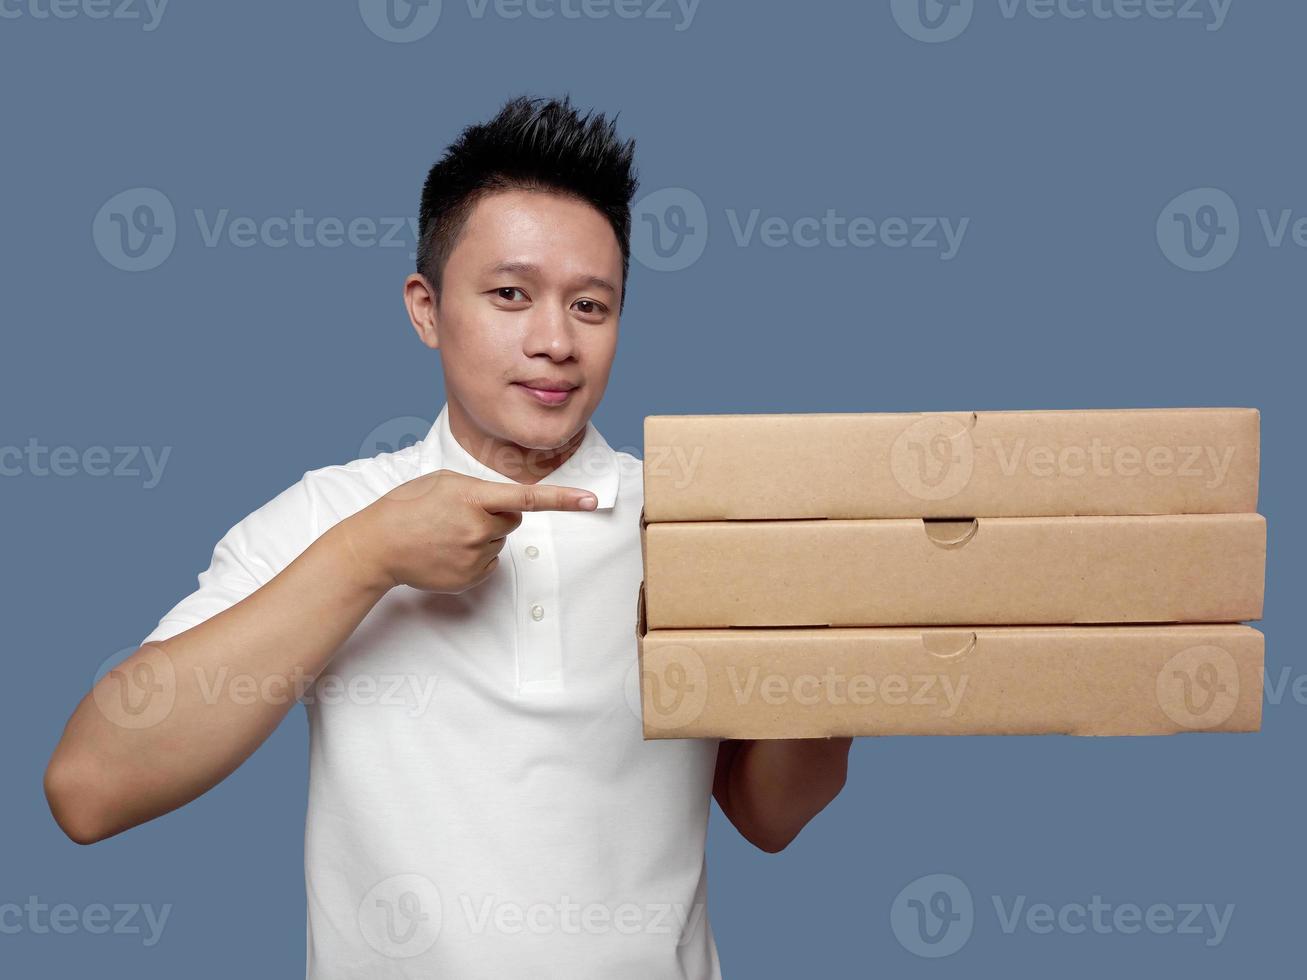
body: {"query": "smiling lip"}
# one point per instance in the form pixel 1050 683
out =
pixel 547 392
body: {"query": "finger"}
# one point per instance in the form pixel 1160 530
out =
pixel 498 498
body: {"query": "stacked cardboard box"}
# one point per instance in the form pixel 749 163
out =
pixel 998 572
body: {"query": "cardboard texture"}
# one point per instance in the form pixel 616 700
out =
pixel 951 464
pixel 816 682
pixel 999 571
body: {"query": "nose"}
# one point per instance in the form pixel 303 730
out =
pixel 549 332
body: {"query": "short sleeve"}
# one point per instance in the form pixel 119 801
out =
pixel 248 556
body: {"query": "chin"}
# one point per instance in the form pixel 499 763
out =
pixel 544 429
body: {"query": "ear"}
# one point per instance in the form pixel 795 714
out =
pixel 420 300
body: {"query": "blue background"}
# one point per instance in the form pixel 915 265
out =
pixel 1062 140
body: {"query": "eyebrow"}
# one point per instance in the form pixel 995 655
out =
pixel 531 269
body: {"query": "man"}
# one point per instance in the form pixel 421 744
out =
pixel 505 818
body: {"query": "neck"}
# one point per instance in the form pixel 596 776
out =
pixel 517 462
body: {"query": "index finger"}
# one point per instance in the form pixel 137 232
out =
pixel 498 498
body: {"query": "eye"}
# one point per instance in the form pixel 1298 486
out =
pixel 592 307
pixel 510 290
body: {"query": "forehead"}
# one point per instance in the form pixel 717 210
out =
pixel 559 233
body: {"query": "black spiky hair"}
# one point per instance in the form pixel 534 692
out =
pixel 531 144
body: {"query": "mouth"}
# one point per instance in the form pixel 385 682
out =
pixel 547 392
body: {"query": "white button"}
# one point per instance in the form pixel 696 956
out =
pixel 532 551
pixel 537 612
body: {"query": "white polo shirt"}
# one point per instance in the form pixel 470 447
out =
pixel 481 801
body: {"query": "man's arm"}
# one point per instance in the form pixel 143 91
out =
pixel 112 770
pixel 770 789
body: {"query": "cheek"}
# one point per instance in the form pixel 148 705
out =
pixel 599 348
pixel 480 349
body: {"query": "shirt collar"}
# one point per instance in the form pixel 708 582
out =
pixel 593 466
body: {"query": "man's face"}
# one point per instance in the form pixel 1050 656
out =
pixel 529 301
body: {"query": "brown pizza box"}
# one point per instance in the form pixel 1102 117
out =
pixel 951 464
pixel 987 571
pixel 813 682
